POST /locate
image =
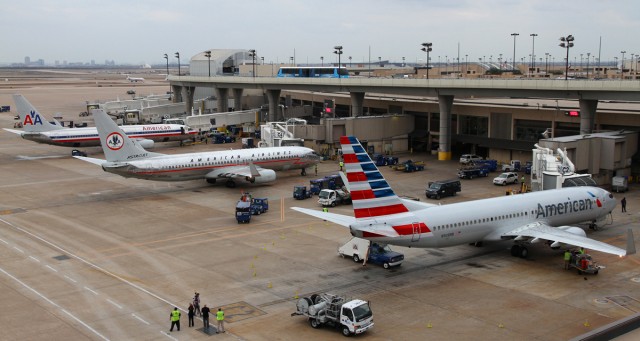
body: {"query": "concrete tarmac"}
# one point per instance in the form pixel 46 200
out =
pixel 86 254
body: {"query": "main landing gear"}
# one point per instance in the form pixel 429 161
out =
pixel 519 251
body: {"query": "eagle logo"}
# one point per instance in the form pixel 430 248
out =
pixel 115 141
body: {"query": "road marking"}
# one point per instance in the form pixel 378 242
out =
pixel 114 303
pixel 139 318
pixel 49 266
pixel 95 293
pixel 4 241
pixel 71 279
pixel 53 304
pixel 15 247
pixel 35 259
pixel 168 335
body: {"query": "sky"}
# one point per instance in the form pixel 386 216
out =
pixel 142 31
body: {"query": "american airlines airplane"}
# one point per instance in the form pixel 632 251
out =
pixel 544 217
pixel 256 165
pixel 37 128
pixel 135 79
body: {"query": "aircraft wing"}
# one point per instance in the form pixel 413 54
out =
pixel 95 161
pixel 232 172
pixel 339 219
pixel 543 231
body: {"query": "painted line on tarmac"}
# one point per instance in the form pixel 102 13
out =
pixel 140 318
pixel 91 291
pixel 168 335
pixel 4 241
pixel 104 271
pixel 71 279
pixel 20 250
pixel 35 259
pixel 114 303
pixel 49 266
pixel 53 304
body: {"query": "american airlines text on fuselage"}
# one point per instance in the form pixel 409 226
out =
pixel 560 208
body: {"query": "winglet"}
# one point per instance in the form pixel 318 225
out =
pixel 631 243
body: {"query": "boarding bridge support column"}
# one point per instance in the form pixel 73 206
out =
pixel 237 99
pixel 223 99
pixel 273 96
pixel 177 93
pixel 444 151
pixel 189 90
pixel 357 99
pixel 587 115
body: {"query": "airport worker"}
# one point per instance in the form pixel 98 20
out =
pixel 190 314
pixel 341 165
pixel 220 318
pixel 567 259
pixel 623 203
pixel 325 209
pixel 196 303
pixel 316 168
pixel 175 318
pixel 522 179
pixel 205 316
pixel 581 251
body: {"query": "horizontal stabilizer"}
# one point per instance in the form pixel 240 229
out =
pixel 95 161
pixel 339 219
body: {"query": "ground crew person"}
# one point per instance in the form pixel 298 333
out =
pixel 220 318
pixel 581 251
pixel 325 209
pixel 175 318
pixel 567 259
pixel 341 165
pixel 316 169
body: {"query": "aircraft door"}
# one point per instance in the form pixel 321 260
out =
pixel 416 232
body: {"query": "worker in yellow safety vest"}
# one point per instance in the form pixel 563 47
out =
pixel 220 318
pixel 175 318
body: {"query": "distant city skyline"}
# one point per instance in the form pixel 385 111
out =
pixel 138 33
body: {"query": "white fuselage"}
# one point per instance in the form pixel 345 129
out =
pixel 198 165
pixel 86 137
pixel 488 219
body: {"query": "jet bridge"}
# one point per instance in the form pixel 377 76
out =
pixel 280 134
pixel 551 171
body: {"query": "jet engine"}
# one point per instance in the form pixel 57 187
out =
pixel 144 143
pixel 574 230
pixel 266 175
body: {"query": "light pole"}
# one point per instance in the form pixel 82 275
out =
pixel 167 58
pixel 426 47
pixel 622 65
pixel 322 60
pixel 338 51
pixel 262 59
pixel 533 51
pixel 252 54
pixel 546 63
pixel 208 55
pixel 178 56
pixel 588 55
pixel 349 61
pixel 380 61
pixel 567 42
pixel 466 64
pixel 514 50
pixel 291 59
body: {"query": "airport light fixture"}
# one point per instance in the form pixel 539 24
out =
pixel 514 50
pixel 322 60
pixel 291 59
pixel 349 61
pixel 426 47
pixel 567 43
pixel 262 59
pixel 338 51
pixel 208 55
pixel 546 63
pixel 178 56
pixel 252 54
pixel 588 55
pixel 166 56
pixel 533 50
pixel 622 65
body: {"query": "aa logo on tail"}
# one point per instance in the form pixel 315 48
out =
pixel 32 119
pixel 115 141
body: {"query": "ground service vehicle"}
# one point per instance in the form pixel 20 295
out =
pixel 506 178
pixel 489 165
pixel 619 184
pixel 471 173
pixel 444 188
pixel 360 249
pixel 411 166
pixel 513 166
pixel 221 138
pixel 333 197
pixel 527 167
pixel 313 72
pixel 382 160
pixel 350 316
pixel 468 158
pixel 243 211
pixel 259 205
pixel 5 108
pixel 583 263
pixel 301 192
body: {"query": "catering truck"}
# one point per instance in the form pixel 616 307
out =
pixel 350 316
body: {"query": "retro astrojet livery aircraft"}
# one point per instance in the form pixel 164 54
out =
pixel 545 216
pixel 36 127
pixel 127 158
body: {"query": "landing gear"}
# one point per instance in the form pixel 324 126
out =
pixel 593 226
pixel 230 184
pixel 211 181
pixel 519 251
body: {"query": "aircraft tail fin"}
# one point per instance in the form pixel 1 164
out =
pixel 371 194
pixel 117 146
pixel 32 121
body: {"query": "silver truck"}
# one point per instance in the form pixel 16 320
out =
pixel 333 197
pixel 350 316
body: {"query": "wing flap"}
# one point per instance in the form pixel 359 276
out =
pixel 544 231
pixel 230 172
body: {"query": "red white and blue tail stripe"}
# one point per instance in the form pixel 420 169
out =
pixel 371 194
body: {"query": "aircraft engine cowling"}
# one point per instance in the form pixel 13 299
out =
pixel 145 143
pixel 266 175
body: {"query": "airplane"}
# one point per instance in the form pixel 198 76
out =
pixel 256 165
pixel 544 217
pixel 135 79
pixel 37 128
